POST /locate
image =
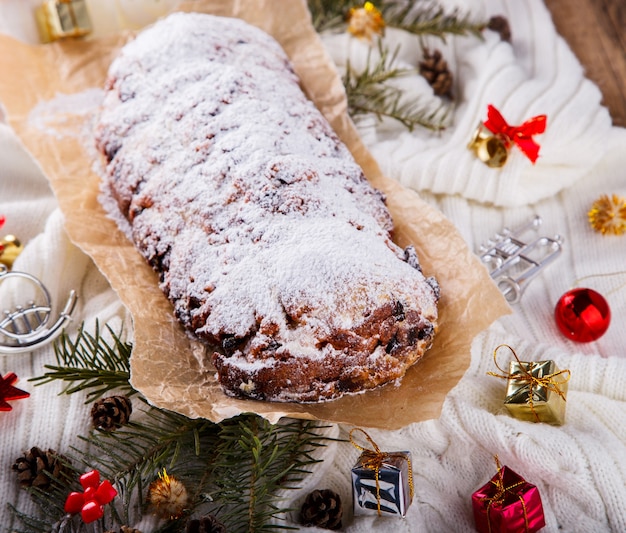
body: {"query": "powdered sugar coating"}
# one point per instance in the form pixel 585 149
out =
pixel 268 238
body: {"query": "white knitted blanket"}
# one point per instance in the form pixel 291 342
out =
pixel 580 467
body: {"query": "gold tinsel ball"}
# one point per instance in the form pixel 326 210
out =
pixel 608 214
pixel 168 496
pixel 365 22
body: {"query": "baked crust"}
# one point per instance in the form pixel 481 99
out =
pixel 268 240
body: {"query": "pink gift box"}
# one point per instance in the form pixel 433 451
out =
pixel 507 504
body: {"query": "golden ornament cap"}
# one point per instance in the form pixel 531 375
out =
pixel 488 147
pixel 57 19
pixel 10 248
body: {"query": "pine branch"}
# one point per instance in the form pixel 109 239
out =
pixel 428 18
pixel 132 456
pixel 265 459
pixel 369 92
pixel 330 15
pixel 90 363
pixel 241 463
pixel 31 523
pixel 420 17
pixel 236 468
pixel 50 504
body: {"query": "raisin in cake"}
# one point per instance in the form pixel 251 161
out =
pixel 269 241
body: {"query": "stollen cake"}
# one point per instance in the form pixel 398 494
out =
pixel 269 242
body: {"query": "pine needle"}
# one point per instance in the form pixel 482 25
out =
pixel 330 15
pixel 50 503
pixel 132 456
pixel 31 524
pixel 369 92
pixel 90 363
pixel 236 468
pixel 428 18
pixel 419 17
pixel 265 459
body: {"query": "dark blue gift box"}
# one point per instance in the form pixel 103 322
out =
pixel 393 494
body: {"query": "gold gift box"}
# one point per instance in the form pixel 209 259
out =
pixel 57 19
pixel 538 399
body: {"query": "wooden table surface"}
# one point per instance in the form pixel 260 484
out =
pixel 596 32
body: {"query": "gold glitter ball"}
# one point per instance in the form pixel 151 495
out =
pixel 365 22
pixel 608 214
pixel 168 496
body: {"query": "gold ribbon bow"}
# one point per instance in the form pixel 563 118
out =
pixel 548 381
pixel 374 460
pixel 501 492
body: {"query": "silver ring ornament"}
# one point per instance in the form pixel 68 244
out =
pixel 25 327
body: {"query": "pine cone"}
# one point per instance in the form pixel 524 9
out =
pixel 41 469
pixel 435 69
pixel 322 508
pixel 500 24
pixel 206 524
pixel 111 413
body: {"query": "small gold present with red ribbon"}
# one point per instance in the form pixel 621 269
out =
pixel 382 482
pixel 536 391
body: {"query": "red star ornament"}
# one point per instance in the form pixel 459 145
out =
pixel 9 392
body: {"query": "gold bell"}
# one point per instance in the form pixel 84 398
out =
pixel 488 147
pixel 10 248
pixel 57 19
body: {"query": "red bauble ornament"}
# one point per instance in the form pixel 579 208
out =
pixel 582 315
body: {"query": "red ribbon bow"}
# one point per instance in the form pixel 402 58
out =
pixel 520 135
pixel 90 503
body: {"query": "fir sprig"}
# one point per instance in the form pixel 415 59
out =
pixel 369 92
pixel 428 18
pixel 265 459
pixel 236 469
pixel 132 456
pixel 330 15
pixel 421 17
pixel 50 502
pixel 33 524
pixel 91 363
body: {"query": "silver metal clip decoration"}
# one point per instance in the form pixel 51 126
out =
pixel 513 262
pixel 26 326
